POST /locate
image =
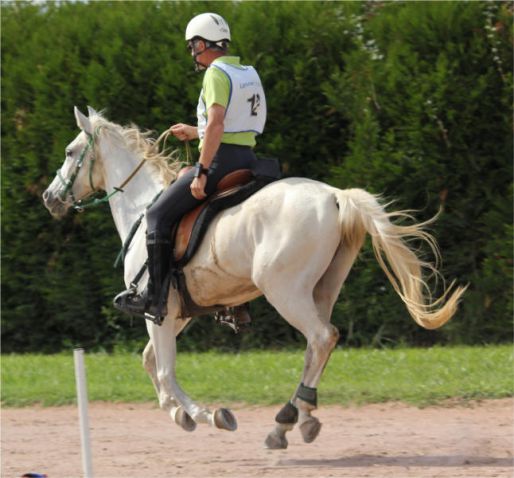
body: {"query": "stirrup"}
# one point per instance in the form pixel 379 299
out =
pixel 141 309
pixel 132 303
pixel 229 317
pixel 224 319
pixel 121 302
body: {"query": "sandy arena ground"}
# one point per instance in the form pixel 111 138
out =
pixel 387 440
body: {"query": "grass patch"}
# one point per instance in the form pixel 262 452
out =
pixel 417 376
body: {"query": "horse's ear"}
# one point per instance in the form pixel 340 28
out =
pixel 83 122
pixel 91 111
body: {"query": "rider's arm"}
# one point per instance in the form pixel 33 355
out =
pixel 213 133
pixel 184 132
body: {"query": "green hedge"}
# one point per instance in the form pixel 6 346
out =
pixel 411 100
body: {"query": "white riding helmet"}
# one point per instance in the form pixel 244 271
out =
pixel 209 26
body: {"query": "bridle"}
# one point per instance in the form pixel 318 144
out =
pixel 88 200
pixel 68 183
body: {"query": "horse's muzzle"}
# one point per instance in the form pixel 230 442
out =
pixel 55 205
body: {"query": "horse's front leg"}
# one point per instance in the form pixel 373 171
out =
pixel 166 402
pixel 150 366
pixel 171 396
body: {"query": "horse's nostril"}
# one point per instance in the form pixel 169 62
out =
pixel 46 195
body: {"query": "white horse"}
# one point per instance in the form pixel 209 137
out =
pixel 294 242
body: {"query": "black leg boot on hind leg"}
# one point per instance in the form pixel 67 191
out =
pixel 151 303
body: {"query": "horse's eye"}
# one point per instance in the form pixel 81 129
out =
pixel 68 153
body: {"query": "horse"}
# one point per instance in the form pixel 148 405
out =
pixel 294 242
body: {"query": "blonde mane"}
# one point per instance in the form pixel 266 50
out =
pixel 166 163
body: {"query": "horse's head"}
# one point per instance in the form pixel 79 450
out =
pixel 80 175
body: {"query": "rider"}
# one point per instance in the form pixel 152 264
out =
pixel 231 112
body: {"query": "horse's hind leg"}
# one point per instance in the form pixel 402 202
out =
pixel 319 347
pixel 322 337
pixel 300 310
pixel 329 286
pixel 299 409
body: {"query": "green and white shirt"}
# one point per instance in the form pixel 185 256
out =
pixel 239 90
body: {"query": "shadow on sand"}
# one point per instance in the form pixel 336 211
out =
pixel 404 461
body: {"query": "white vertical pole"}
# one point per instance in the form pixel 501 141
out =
pixel 80 380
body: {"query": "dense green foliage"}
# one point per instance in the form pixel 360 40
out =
pixel 419 376
pixel 410 100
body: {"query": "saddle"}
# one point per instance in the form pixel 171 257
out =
pixel 186 242
pixel 187 236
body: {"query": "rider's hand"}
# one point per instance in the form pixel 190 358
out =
pixel 198 187
pixel 184 132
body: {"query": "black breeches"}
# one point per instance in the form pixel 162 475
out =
pixel 177 199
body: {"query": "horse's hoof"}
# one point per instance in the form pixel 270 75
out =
pixel 224 419
pixel 310 429
pixel 275 441
pixel 182 419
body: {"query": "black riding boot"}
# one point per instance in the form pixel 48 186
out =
pixel 151 303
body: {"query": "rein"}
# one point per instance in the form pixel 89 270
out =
pixel 85 203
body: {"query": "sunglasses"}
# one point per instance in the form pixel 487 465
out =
pixel 191 45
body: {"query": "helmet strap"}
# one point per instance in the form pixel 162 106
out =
pixel 199 66
pixel 209 45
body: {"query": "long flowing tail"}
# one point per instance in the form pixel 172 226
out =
pixel 361 212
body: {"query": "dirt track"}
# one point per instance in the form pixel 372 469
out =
pixel 139 441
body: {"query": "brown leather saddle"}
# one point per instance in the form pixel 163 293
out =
pixel 228 186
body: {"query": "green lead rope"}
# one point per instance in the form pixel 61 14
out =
pixel 93 202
